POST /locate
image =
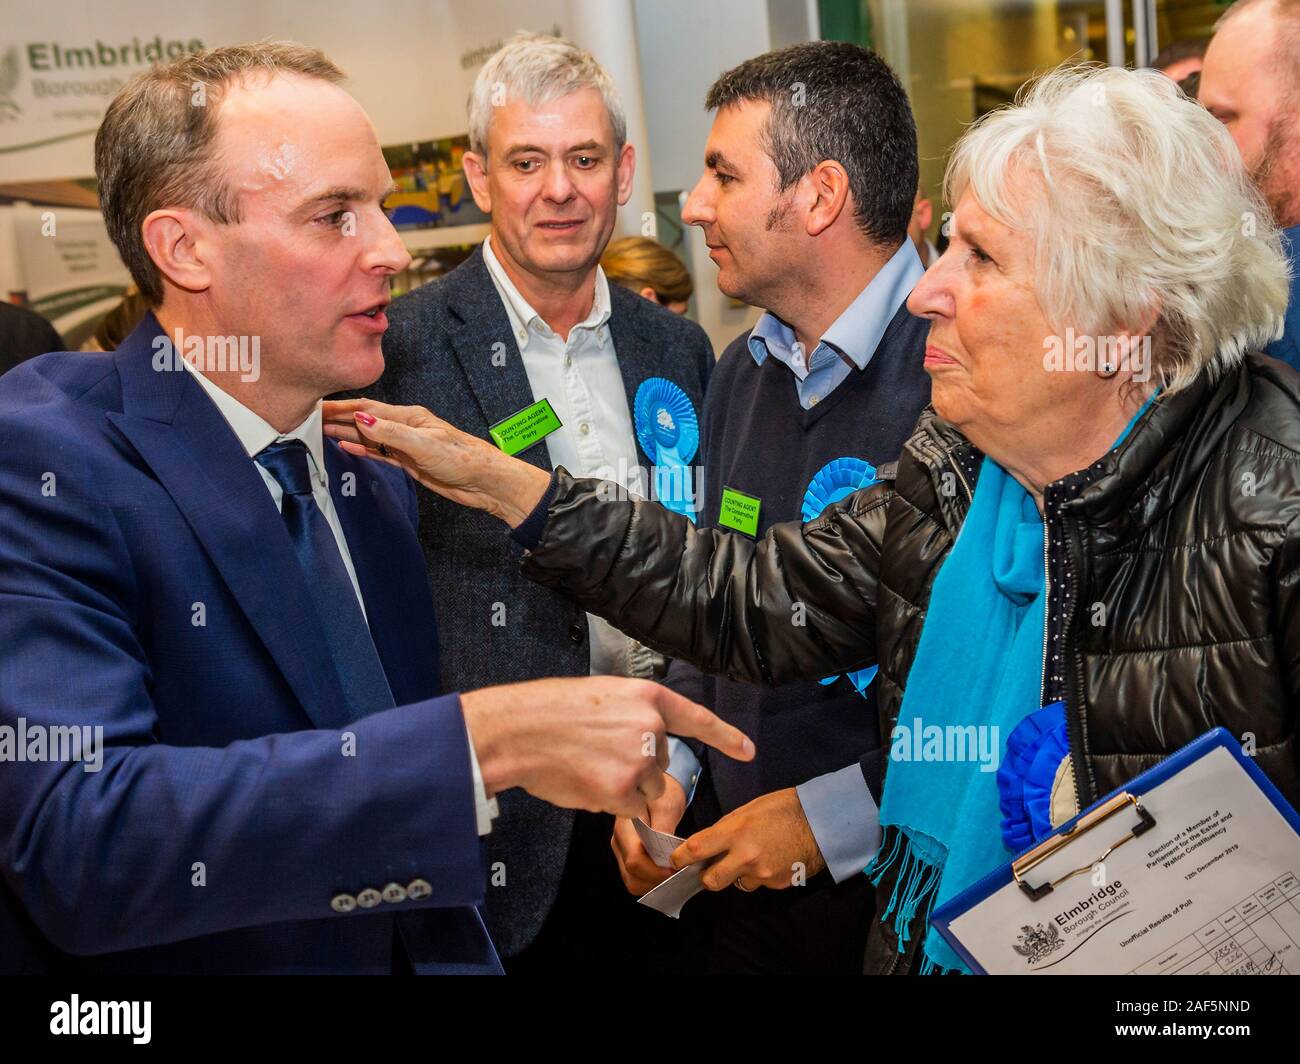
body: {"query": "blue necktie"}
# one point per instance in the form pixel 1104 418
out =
pixel 346 632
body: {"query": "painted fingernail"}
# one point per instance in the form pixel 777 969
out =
pixel 364 418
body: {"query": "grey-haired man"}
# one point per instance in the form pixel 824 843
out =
pixel 529 317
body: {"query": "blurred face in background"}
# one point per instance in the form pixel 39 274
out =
pixel 1182 68
pixel 677 306
pixel 553 182
pixel 1252 85
pixel 745 217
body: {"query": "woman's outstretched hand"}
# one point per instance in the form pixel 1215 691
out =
pixel 456 465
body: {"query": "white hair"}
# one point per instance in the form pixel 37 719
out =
pixel 539 68
pixel 1143 208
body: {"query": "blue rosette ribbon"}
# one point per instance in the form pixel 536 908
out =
pixel 836 480
pixel 669 432
pixel 1035 749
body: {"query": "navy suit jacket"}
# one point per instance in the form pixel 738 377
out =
pixel 148 587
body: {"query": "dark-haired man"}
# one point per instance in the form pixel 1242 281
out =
pixel 810 178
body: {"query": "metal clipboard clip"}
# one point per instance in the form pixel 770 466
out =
pixel 1021 866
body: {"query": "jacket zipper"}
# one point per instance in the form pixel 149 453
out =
pixel 956 467
pixel 946 455
pixel 1084 785
pixel 1047 608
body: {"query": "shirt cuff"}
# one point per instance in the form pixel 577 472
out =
pixel 529 531
pixel 485 808
pixel 683 766
pixel 844 819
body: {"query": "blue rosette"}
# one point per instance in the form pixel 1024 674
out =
pixel 1035 749
pixel 836 480
pixel 669 433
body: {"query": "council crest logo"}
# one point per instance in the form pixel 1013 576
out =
pixel 1038 943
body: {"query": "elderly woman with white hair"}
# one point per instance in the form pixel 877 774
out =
pixel 1090 546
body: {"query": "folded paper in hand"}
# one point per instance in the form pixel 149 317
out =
pixel 678 889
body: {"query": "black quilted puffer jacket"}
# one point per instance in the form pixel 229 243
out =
pixel 1176 565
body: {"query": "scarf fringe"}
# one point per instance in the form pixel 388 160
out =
pixel 916 886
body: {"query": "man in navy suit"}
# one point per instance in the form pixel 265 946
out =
pixel 226 748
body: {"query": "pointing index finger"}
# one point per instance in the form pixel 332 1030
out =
pixel 686 718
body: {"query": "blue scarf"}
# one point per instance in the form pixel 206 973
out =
pixel 977 674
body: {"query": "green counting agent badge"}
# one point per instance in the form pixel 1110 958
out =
pixel 530 425
pixel 739 511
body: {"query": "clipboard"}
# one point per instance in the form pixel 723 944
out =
pixel 1114 820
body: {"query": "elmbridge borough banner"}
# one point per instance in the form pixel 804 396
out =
pixel 61 64
pixel 53 92
pixel 411 67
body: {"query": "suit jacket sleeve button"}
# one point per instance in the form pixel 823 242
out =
pixel 418 888
pixel 343 903
pixel 368 898
pixel 577 631
pixel 394 892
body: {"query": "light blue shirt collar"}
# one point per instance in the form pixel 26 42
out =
pixel 857 331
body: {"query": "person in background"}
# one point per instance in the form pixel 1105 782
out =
pixel 531 316
pixel 1251 83
pixel 24 334
pixel 650 270
pixel 806 211
pixel 118 323
pixel 919 226
pixel 1181 59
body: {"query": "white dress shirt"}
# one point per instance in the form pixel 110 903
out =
pixel 255 434
pixel 580 376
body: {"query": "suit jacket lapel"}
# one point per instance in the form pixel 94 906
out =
pixel 495 373
pixel 636 359
pixel 180 434
pixel 386 559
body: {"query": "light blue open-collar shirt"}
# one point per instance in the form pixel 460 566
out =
pixel 841 813
pixel 853 337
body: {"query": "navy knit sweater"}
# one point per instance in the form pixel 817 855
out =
pixel 759 440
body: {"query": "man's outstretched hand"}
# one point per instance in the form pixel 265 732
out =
pixel 596 742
